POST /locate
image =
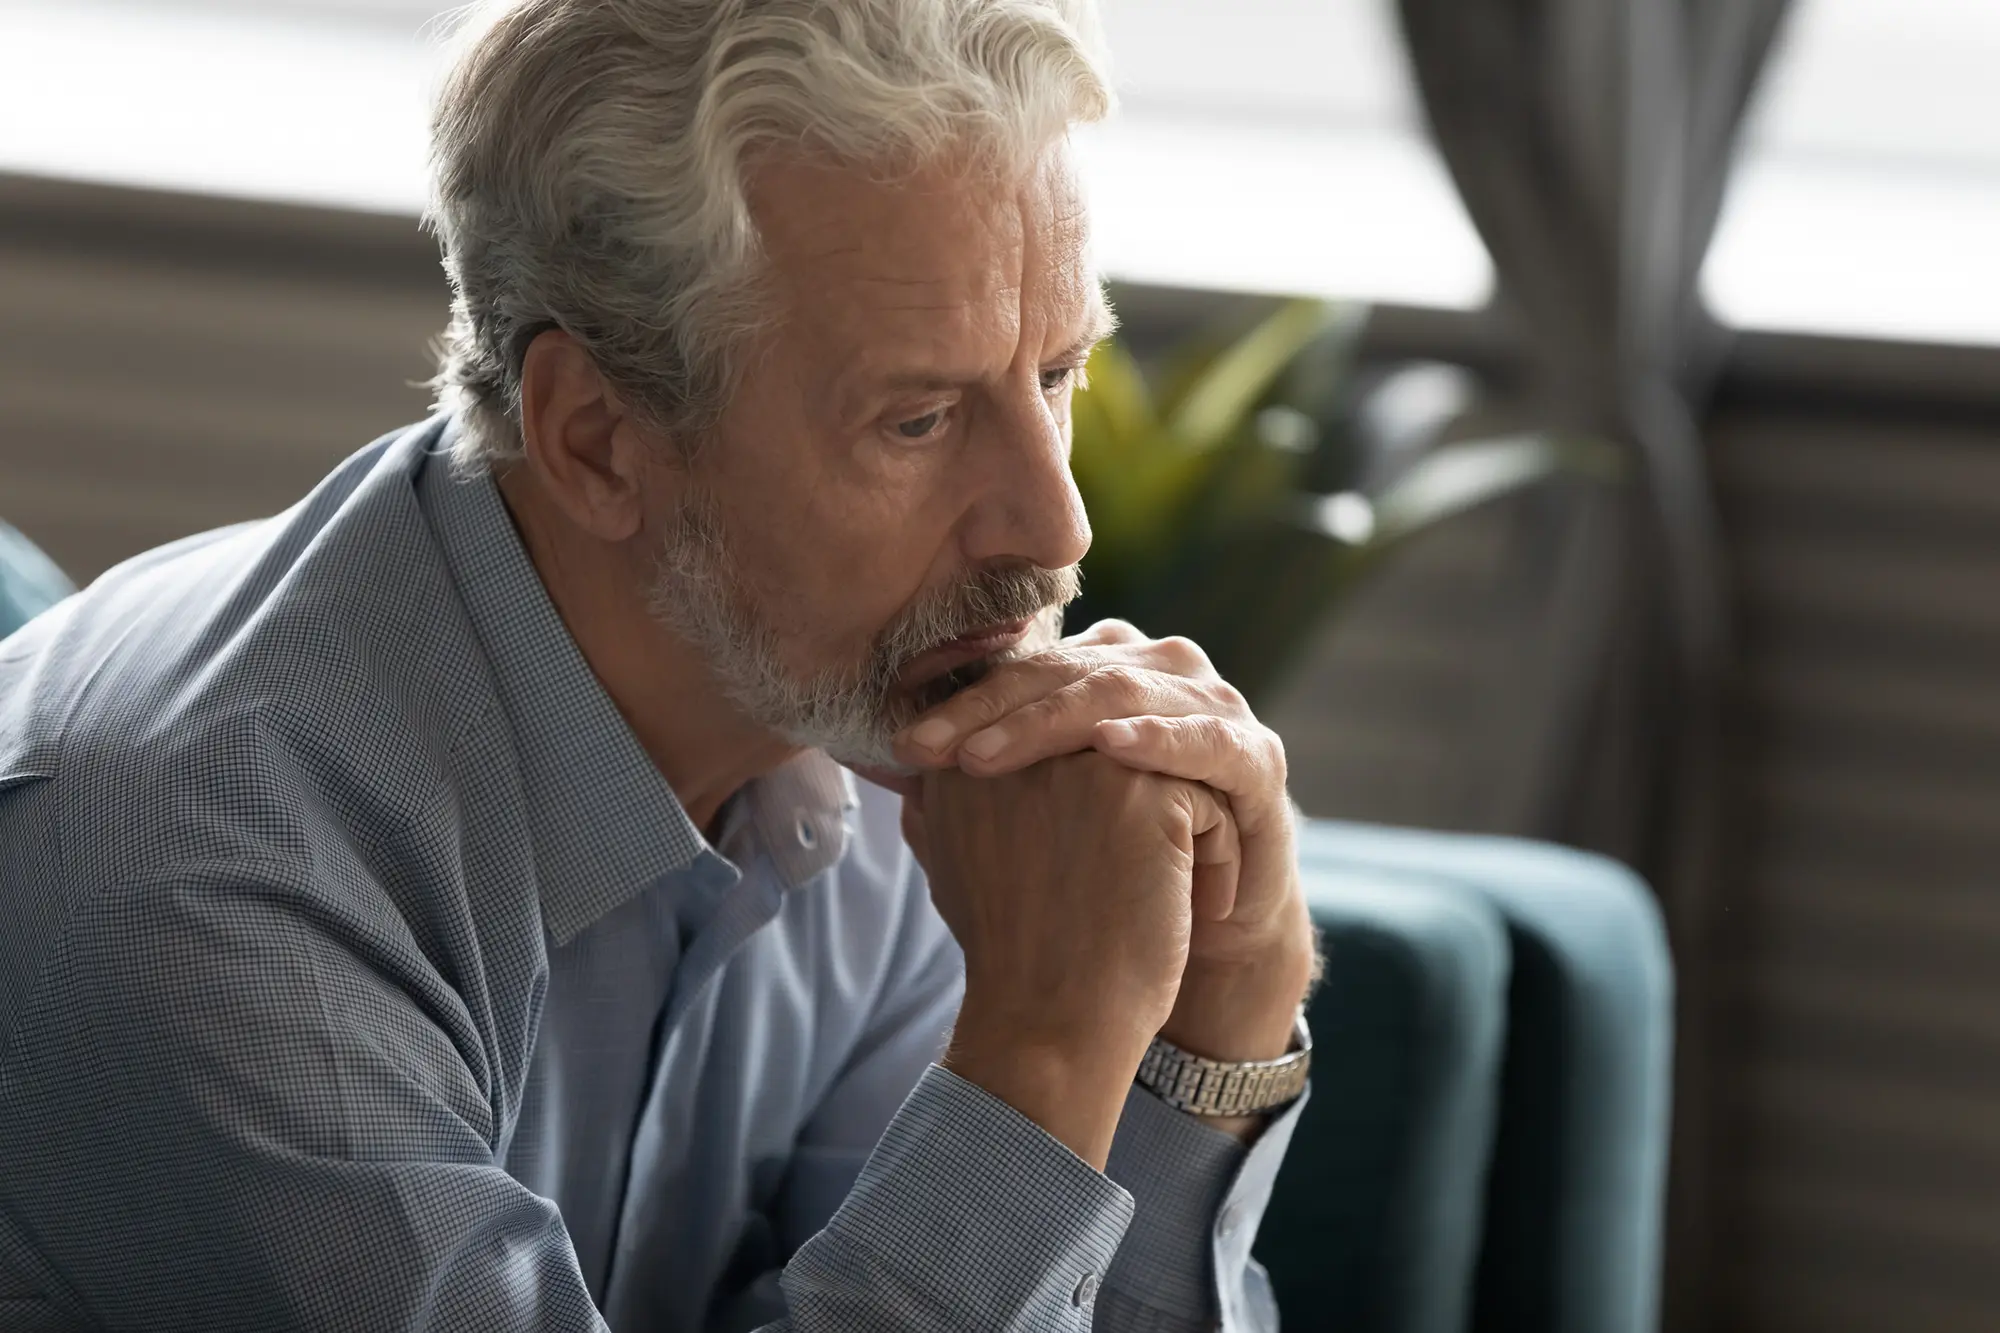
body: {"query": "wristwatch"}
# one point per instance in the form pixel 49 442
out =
pixel 1221 1087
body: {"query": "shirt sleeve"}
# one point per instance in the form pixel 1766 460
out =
pixel 969 1215
pixel 918 1201
pixel 231 1104
pixel 1199 1196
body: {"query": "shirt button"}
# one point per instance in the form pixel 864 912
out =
pixel 1085 1294
pixel 808 835
pixel 1232 1218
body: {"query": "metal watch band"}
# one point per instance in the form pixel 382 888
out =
pixel 1219 1087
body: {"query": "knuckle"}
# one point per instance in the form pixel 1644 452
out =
pixel 1216 732
pixel 1120 680
pixel 982 704
pixel 1115 630
pixel 1061 660
pixel 1274 753
pixel 1183 654
pixel 1011 685
pixel 1228 699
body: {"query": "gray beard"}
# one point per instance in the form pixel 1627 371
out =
pixel 851 712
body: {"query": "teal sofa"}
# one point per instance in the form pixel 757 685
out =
pixel 1485 1145
pixel 29 581
pixel 1485 1148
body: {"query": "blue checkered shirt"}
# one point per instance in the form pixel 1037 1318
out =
pixel 361 972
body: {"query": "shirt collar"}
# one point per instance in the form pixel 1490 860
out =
pixel 604 821
pixel 799 813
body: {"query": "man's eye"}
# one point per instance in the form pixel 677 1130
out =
pixel 919 428
pixel 1057 377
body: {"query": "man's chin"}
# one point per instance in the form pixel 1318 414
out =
pixel 874 758
pixel 873 755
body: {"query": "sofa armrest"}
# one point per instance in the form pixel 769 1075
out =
pixel 1577 1183
pixel 30 583
pixel 1375 1221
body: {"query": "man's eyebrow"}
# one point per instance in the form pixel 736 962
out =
pixel 1101 323
pixel 929 381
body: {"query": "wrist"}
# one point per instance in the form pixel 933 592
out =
pixel 1244 1010
pixel 1073 1086
pixel 1236 1012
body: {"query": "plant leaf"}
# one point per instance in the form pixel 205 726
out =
pixel 1324 368
pixel 1116 388
pixel 1456 477
pixel 1115 437
pixel 1182 368
pixel 1217 402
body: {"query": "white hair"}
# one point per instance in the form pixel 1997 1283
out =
pixel 589 159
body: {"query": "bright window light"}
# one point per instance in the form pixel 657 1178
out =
pixel 1272 146
pixel 1867 201
pixel 272 101
pixel 1269 145
pixel 1275 146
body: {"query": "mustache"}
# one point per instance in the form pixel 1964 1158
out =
pixel 992 595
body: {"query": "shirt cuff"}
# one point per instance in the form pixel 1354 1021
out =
pixel 1199 1196
pixel 967 1215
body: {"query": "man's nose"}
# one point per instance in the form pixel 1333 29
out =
pixel 1029 508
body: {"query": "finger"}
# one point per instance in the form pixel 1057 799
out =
pixel 1218 856
pixel 934 738
pixel 1065 721
pixel 931 740
pixel 1246 763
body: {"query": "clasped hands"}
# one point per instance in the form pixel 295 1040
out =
pixel 1107 832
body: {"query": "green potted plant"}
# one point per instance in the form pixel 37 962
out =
pixel 1200 484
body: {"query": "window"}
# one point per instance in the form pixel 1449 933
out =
pixel 1281 150
pixel 269 99
pixel 1867 200
pixel 1264 145
pixel 1276 151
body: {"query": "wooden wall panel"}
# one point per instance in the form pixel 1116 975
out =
pixel 157 379
pixel 1866 959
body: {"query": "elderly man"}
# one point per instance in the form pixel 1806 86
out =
pixel 439 906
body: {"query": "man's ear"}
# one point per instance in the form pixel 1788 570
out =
pixel 586 450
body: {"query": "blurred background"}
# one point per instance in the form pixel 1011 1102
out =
pixel 1574 420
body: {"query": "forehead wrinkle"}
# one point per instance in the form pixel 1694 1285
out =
pixel 933 291
pixel 965 321
pixel 944 299
pixel 967 317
